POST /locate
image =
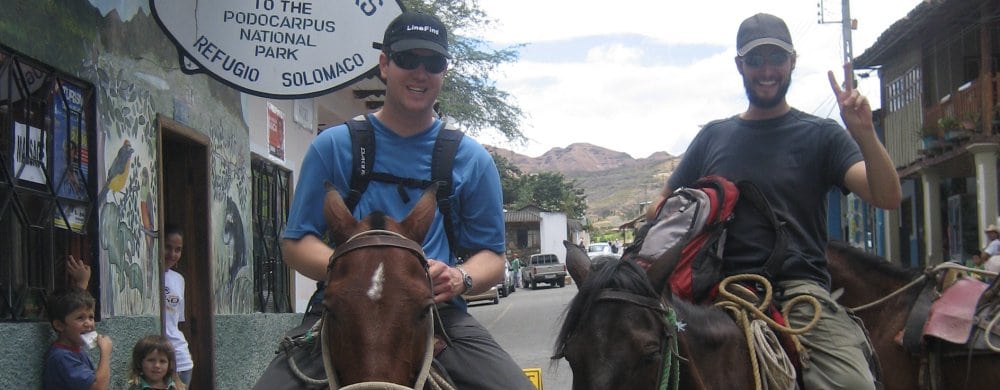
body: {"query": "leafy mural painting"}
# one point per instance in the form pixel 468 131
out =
pixel 127 212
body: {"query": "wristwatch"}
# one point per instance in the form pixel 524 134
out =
pixel 466 279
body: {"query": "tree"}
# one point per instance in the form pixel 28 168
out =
pixel 469 94
pixel 509 174
pixel 551 191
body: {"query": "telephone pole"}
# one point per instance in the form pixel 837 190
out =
pixel 846 24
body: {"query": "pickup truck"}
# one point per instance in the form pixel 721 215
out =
pixel 543 268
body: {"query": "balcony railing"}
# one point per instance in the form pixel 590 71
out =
pixel 965 104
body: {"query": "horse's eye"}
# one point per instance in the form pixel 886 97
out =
pixel 652 353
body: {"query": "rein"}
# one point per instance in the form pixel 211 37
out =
pixel 381 238
pixel 934 270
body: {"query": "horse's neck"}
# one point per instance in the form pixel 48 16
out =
pixel 863 284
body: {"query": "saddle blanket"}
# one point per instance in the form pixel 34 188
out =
pixel 952 315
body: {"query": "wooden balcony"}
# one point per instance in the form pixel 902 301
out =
pixel 966 104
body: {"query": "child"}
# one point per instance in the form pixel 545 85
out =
pixel 173 291
pixel 153 365
pixel 67 365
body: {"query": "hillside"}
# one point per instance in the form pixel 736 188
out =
pixel 614 182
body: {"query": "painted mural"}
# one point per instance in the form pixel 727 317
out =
pixel 137 80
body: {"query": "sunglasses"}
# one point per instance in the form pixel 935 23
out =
pixel 435 63
pixel 758 60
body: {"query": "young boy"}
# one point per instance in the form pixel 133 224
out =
pixel 67 365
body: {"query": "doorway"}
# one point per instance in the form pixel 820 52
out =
pixel 185 185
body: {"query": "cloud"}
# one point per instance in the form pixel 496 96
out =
pixel 643 76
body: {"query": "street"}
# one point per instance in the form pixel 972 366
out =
pixel 526 324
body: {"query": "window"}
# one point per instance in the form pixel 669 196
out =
pixel 270 208
pixel 904 89
pixel 47 182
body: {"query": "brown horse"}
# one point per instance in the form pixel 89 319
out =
pixel 866 278
pixel 617 333
pixel 378 299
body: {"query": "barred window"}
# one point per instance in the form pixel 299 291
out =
pixel 47 182
pixel 904 90
pixel 270 212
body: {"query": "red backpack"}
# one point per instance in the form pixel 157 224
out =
pixel 688 235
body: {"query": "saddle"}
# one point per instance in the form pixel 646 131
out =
pixel 960 316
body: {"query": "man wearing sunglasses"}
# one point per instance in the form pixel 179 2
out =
pixel 794 158
pixel 412 64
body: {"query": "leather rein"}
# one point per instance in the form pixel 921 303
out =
pixel 369 239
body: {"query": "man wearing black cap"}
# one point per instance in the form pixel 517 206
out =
pixel 794 158
pixel 413 62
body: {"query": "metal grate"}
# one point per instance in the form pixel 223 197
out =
pixel 47 135
pixel 270 208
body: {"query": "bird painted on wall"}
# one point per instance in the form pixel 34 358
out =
pixel 118 173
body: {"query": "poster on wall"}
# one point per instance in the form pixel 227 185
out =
pixel 275 131
pixel 76 217
pixel 70 157
pixel 29 153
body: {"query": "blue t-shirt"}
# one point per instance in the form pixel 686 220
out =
pixel 476 201
pixel 67 368
pixel 795 160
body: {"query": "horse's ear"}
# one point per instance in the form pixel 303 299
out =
pixel 340 221
pixel 419 220
pixel 577 262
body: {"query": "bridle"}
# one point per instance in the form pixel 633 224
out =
pixel 369 239
pixel 670 366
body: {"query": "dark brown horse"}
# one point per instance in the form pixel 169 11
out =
pixel 866 278
pixel 617 333
pixel 378 320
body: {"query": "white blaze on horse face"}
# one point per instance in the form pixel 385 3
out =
pixel 378 278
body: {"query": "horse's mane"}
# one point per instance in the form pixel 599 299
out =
pixel 864 261
pixel 606 273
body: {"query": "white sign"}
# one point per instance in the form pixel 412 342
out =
pixel 29 153
pixel 278 48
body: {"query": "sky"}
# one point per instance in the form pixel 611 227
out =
pixel 642 76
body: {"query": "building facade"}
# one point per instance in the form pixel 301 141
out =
pixel 941 120
pixel 111 132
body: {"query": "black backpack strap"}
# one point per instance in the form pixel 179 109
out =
pixel 363 151
pixel 750 192
pixel 442 164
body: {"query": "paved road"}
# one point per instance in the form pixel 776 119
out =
pixel 526 324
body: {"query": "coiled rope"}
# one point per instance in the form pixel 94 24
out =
pixel 777 371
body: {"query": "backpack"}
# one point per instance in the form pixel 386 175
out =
pixel 689 231
pixel 442 162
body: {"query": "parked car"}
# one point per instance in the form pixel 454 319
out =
pixel 599 249
pixel 544 268
pixel 493 294
pixel 508 284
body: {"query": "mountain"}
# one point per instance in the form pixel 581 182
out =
pixel 615 183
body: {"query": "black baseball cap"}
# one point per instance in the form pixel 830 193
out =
pixel 415 30
pixel 763 29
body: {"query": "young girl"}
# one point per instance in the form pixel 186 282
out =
pixel 153 366
pixel 173 291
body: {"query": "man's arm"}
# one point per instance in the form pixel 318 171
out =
pixel 308 255
pixel 874 179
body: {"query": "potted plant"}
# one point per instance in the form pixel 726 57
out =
pixel 970 122
pixel 951 127
pixel 930 136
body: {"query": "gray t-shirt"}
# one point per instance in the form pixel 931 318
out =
pixel 795 160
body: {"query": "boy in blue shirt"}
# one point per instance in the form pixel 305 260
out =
pixel 67 365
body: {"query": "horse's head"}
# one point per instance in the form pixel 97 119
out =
pixel 614 333
pixel 378 296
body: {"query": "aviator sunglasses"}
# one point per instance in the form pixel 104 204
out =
pixel 435 63
pixel 758 60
